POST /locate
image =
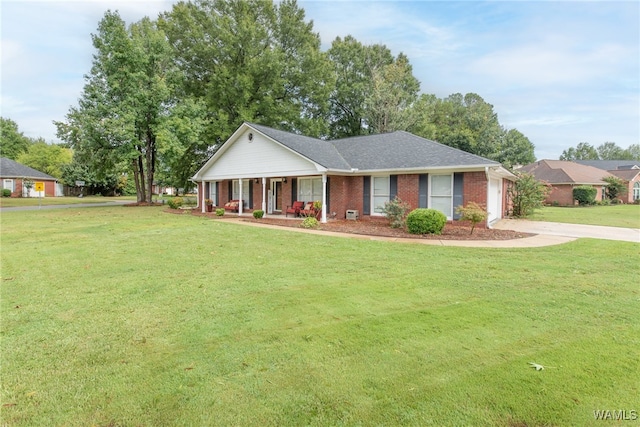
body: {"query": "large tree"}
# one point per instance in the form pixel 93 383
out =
pixel 250 60
pixel 389 102
pixel 124 103
pixel 12 141
pixel 354 66
pixel 47 158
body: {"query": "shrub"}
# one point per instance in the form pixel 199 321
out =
pixel 309 222
pixel 396 212
pixel 472 212
pixel 615 187
pixel 425 221
pixel 220 211
pixel 527 194
pixel 258 213
pixel 585 194
pixel 6 192
pixel 175 203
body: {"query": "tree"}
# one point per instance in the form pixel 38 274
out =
pixel 526 195
pixel 47 158
pixel 615 187
pixel 12 141
pixel 124 102
pixel 354 65
pixel 632 153
pixel 610 151
pixel 250 61
pixel 515 149
pixel 389 103
pixel 583 151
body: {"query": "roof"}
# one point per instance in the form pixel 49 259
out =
pixel 12 169
pixel 625 174
pixel 565 172
pixel 389 151
pixel 610 165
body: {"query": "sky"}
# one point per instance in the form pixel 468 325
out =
pixel 561 72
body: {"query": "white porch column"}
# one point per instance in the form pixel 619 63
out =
pixel 203 196
pixel 323 218
pixel 240 203
pixel 264 194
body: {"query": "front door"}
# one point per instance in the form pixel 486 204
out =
pixel 275 197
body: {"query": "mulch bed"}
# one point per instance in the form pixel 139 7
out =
pixel 457 230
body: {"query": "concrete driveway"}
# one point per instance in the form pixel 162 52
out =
pixel 570 230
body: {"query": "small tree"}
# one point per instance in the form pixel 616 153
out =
pixel 472 212
pixel 396 212
pixel 585 194
pixel 28 184
pixel 615 188
pixel 527 194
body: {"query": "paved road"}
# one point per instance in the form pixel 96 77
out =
pixel 570 230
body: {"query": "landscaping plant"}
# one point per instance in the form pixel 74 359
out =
pixel 615 188
pixel 473 212
pixel 527 194
pixel 396 212
pixel 426 221
pixel 585 194
pixel 258 213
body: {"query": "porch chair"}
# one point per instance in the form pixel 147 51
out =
pixel 294 209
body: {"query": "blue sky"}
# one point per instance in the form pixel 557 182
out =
pixel 560 72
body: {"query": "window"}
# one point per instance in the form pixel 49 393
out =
pixel 380 193
pixel 8 184
pixel 636 191
pixel 441 194
pixel 310 189
pixel 245 191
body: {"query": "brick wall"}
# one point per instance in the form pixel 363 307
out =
pixel 408 189
pixel 474 188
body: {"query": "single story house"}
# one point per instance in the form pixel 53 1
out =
pixel 627 170
pixel 563 176
pixel 269 169
pixel 14 174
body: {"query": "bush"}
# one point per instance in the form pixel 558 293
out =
pixel 472 212
pixel 6 192
pixel 425 221
pixel 396 212
pixel 526 194
pixel 585 194
pixel 309 222
pixel 258 213
pixel 220 211
pixel 175 203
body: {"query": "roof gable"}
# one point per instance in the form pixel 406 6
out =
pixel 12 169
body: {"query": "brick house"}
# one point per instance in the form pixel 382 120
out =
pixel 627 170
pixel 563 176
pixel 13 175
pixel 269 169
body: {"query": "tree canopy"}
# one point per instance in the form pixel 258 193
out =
pixel 12 141
pixel 605 151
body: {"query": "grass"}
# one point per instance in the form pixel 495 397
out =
pixel 131 316
pixel 627 216
pixel 10 202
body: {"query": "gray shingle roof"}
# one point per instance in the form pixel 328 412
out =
pixel 389 151
pixel 13 169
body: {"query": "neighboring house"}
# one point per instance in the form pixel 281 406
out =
pixel 627 170
pixel 269 169
pixel 13 175
pixel 632 178
pixel 563 176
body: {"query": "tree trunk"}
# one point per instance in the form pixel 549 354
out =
pixel 136 177
pixel 151 163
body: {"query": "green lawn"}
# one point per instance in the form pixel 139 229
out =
pixel 136 317
pixel 9 202
pixel 615 215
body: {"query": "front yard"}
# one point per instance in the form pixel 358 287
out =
pixel 131 316
pixel 627 216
